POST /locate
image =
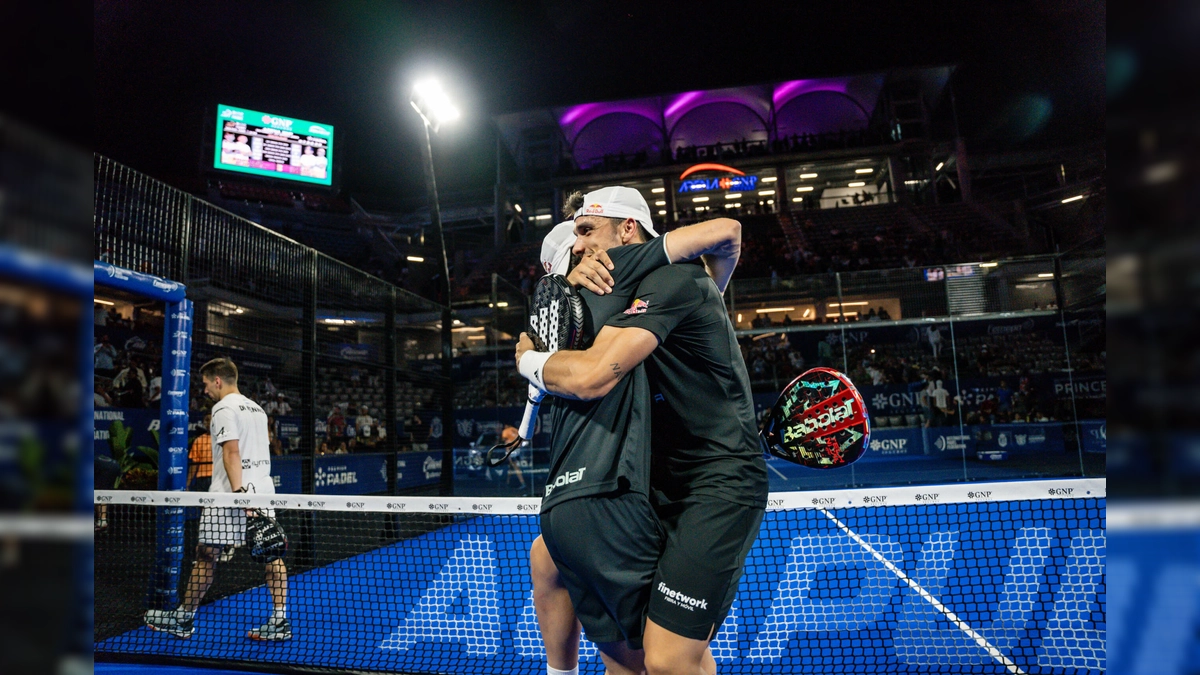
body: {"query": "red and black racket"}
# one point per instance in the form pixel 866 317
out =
pixel 555 322
pixel 818 421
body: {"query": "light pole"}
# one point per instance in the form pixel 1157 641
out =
pixel 434 108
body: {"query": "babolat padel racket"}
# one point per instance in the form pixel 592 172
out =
pixel 819 421
pixel 555 322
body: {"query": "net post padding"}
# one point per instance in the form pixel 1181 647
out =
pixel 173 414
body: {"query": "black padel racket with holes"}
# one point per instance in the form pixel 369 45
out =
pixel 819 421
pixel 555 322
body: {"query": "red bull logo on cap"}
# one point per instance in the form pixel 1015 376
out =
pixel 593 210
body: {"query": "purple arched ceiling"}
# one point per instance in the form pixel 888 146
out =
pixel 575 119
pixel 720 122
pixel 614 133
pixel 752 98
pixel 818 112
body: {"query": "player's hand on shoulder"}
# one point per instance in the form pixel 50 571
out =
pixel 592 273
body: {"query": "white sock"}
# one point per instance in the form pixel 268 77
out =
pixel 555 671
pixel 279 614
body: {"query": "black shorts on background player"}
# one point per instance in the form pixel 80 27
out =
pixel 597 521
pixel 708 477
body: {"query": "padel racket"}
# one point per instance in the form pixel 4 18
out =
pixel 818 421
pixel 555 322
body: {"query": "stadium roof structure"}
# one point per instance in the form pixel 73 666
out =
pixel 587 132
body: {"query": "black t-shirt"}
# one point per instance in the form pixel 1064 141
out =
pixel 604 445
pixel 705 436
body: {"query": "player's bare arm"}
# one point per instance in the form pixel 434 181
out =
pixel 718 242
pixel 592 373
pixel 231 457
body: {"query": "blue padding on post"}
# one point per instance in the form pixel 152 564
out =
pixel 148 285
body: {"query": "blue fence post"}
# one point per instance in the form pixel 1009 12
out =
pixel 172 453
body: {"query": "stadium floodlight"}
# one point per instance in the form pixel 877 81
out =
pixel 770 179
pixel 806 176
pixel 1076 198
pixel 988 264
pixel 806 188
pixel 857 183
pixel 517 207
pixel 432 104
pixel 939 166
pixel 658 190
pixel 414 258
pixel 864 171
pixel 434 108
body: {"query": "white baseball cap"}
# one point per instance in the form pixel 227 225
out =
pixel 618 202
pixel 556 248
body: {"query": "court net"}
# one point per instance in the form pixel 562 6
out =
pixel 965 578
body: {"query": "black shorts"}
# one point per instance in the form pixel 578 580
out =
pixel 606 548
pixel 707 543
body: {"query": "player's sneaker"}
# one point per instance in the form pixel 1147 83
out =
pixel 170 621
pixel 272 630
pixel 227 554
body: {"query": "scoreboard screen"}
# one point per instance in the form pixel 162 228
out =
pixel 274 146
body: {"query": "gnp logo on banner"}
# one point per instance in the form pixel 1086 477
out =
pixel 818 421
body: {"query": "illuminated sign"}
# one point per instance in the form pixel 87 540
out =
pixel 738 182
pixel 730 183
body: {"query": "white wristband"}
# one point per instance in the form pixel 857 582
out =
pixel 531 367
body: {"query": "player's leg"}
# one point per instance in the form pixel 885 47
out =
pixel 555 613
pixel 278 627
pixel 707 543
pixel 620 659
pixel 203 573
pixel 180 621
pixel 668 653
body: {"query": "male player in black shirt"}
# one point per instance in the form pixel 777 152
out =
pixel 600 454
pixel 708 476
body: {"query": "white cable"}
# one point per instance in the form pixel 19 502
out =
pixel 962 625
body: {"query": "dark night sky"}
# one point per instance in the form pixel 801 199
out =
pixel 161 68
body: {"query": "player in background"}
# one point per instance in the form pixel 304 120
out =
pixel 241 463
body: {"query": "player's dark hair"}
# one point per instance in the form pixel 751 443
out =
pixel 571 204
pixel 220 367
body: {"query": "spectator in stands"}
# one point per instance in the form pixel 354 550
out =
pixel 351 433
pixel 130 385
pixel 200 459
pixel 941 403
pixel 278 407
pixel 341 448
pixel 364 422
pixel 323 448
pixel 100 396
pixel 104 357
pixel 934 336
pixel 269 387
pixel 335 424
pixel 154 392
pixel 1004 397
pixel 379 432
pixel 273 440
pixel 875 374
